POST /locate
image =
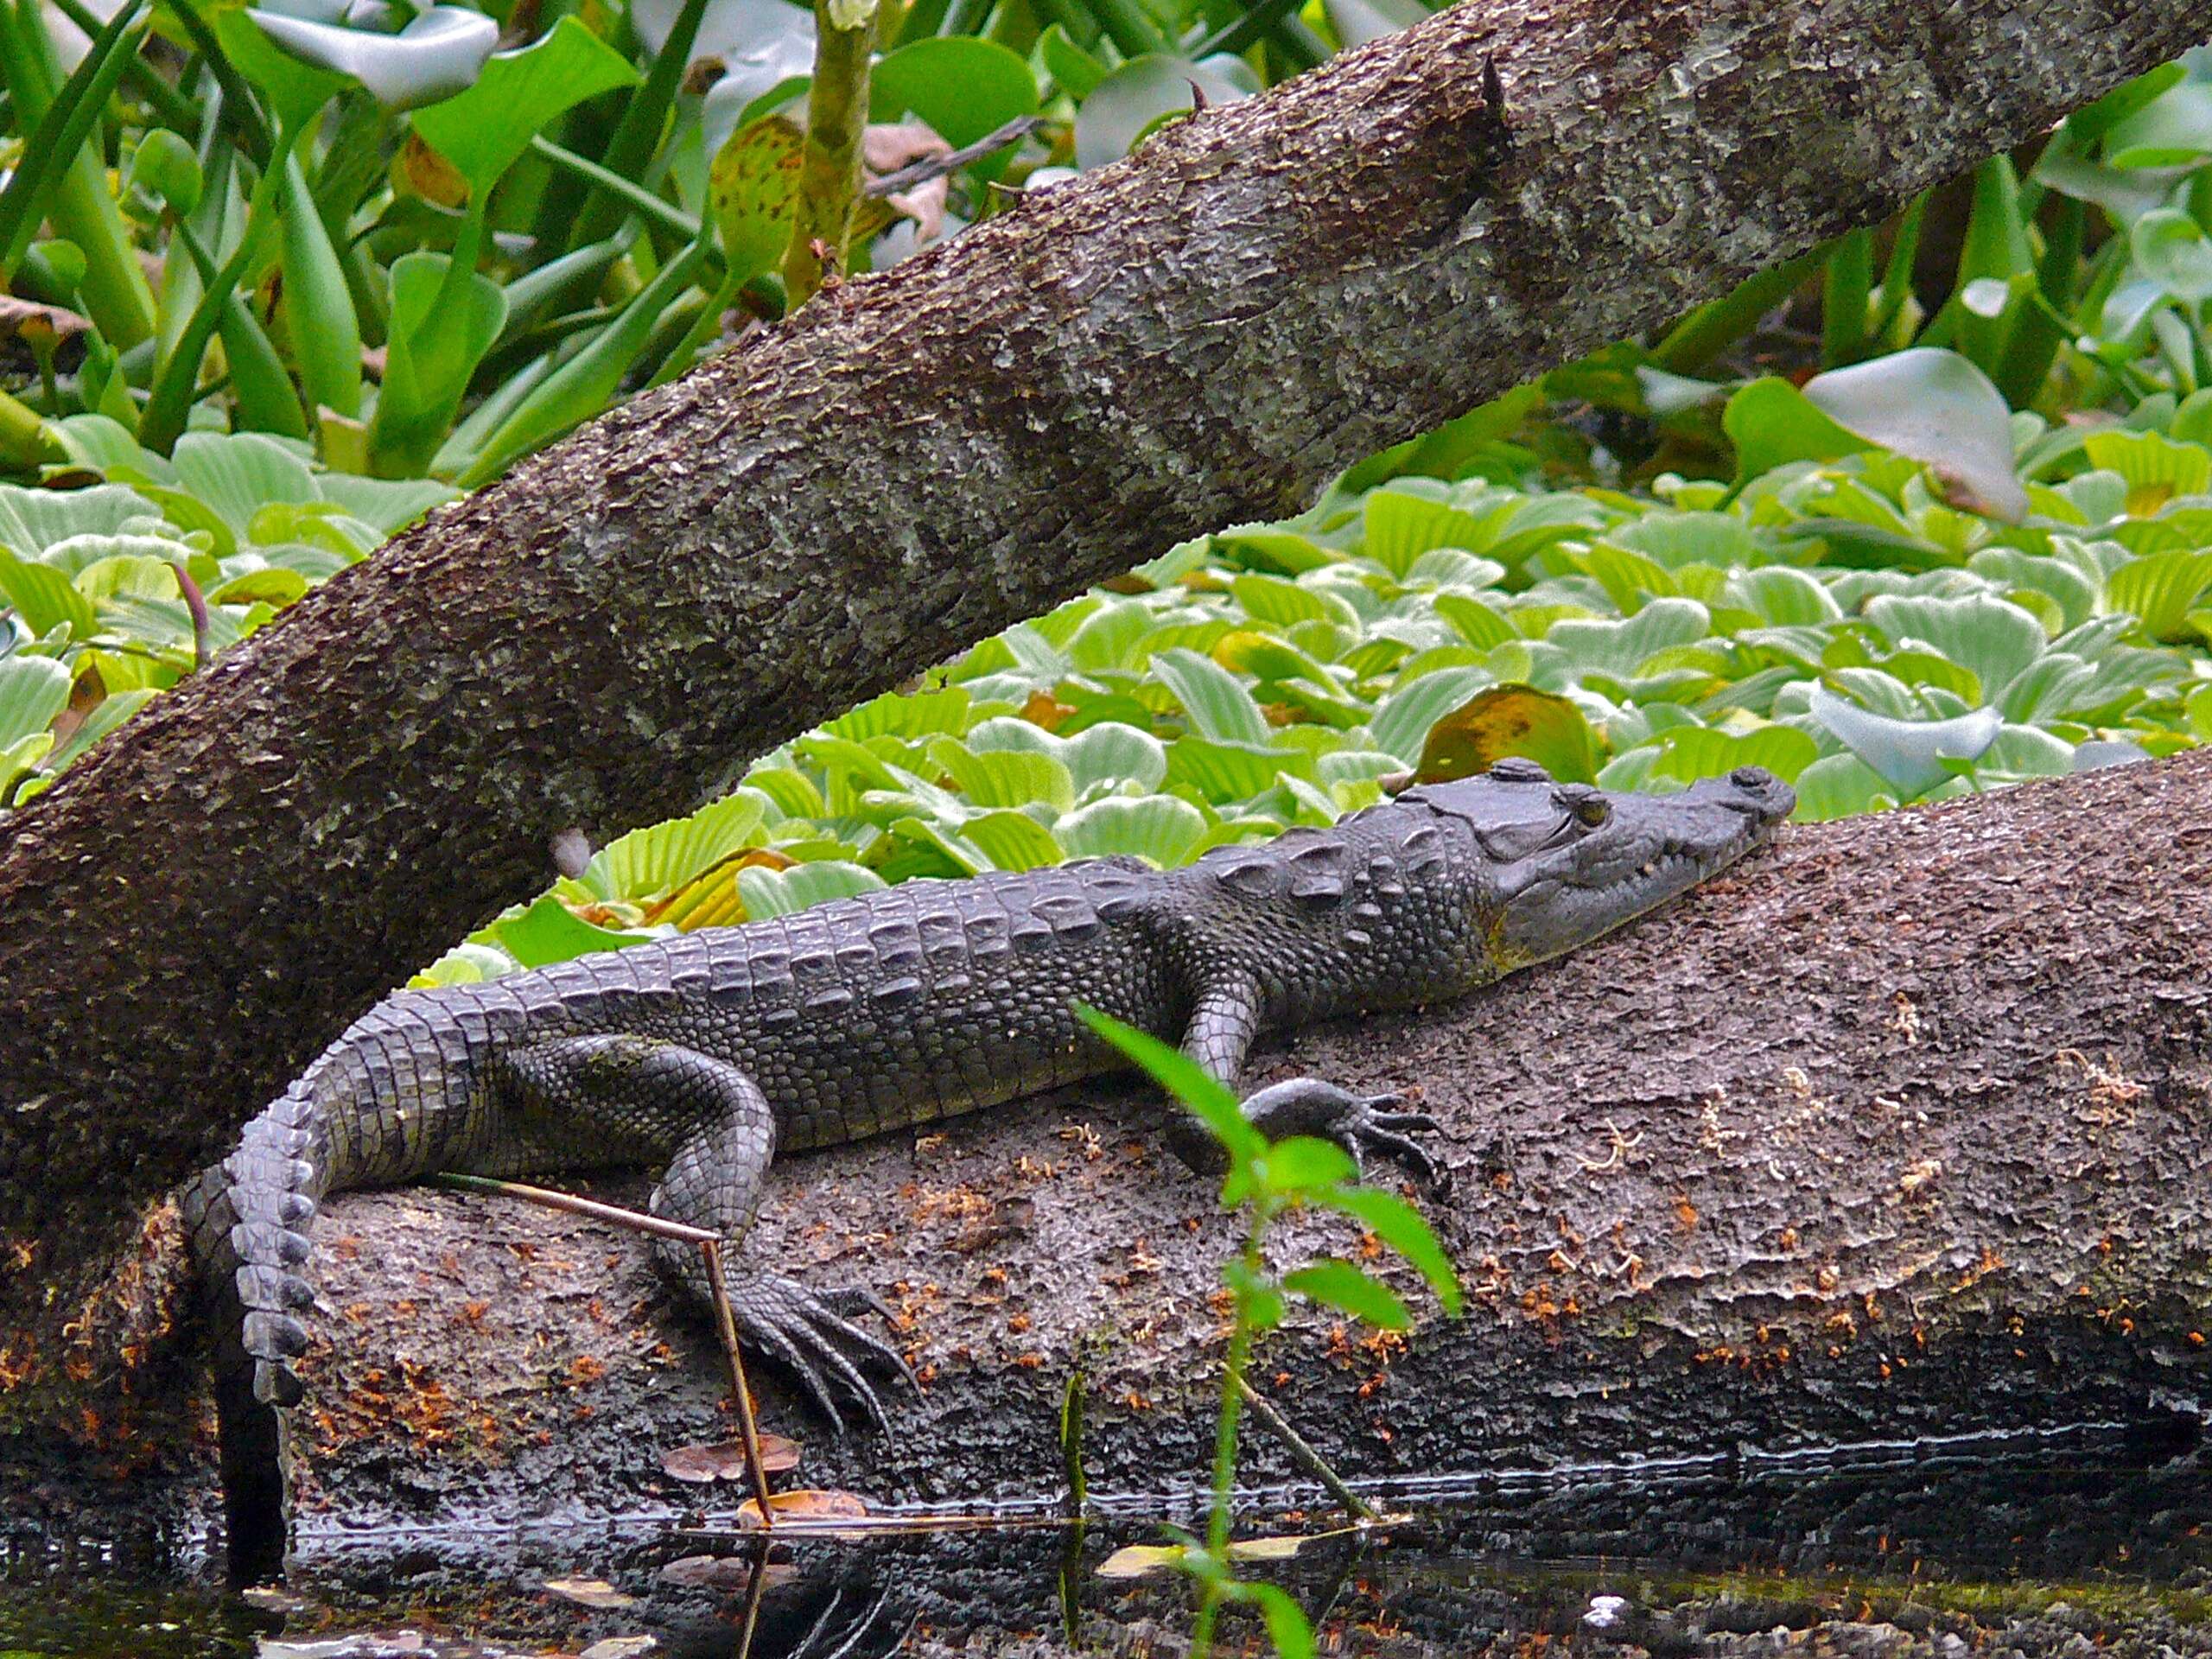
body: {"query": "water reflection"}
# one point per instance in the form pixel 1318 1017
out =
pixel 1942 1550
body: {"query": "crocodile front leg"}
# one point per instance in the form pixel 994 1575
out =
pixel 1225 1017
pixel 725 1137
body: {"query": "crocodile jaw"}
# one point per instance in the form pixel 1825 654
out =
pixel 1589 879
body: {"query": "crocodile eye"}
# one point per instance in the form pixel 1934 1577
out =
pixel 1589 806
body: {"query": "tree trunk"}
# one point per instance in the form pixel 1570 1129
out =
pixel 1200 334
pixel 1903 1129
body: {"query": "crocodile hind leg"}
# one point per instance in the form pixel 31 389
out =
pixel 640 1089
pixel 1225 1017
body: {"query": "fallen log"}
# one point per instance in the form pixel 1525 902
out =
pixel 1205 332
pixel 1899 1129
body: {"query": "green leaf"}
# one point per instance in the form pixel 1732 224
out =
pixel 439 332
pixel 786 893
pixel 2171 249
pixel 1840 786
pixel 2161 590
pixel 1076 70
pixel 1771 424
pixel 1124 105
pixel 754 188
pixel 1288 1631
pixel 319 313
pixel 1409 519
pixel 1398 1224
pixel 45 598
pixel 237 474
pixel 33 691
pixel 483 130
pixel 1936 407
pixel 440 53
pixel 650 863
pixel 1159 828
pixel 1222 772
pixel 1013 841
pixel 1912 755
pixel 1341 1286
pixel 1205 1095
pixel 1992 638
pixel 962 86
pixel 1694 752
pixel 1299 1163
pixel 109 713
pixel 1005 778
pixel 550 931
pixel 1219 707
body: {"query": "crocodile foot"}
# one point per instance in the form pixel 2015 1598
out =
pixel 811 1334
pixel 1359 1124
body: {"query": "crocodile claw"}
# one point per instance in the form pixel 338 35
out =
pixel 807 1332
pixel 1359 1124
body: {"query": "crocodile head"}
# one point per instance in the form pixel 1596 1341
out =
pixel 1566 862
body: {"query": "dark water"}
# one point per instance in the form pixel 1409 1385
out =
pixel 2087 1545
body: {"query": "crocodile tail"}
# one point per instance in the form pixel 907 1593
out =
pixel 249 1218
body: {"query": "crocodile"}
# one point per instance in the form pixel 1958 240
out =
pixel 708 1053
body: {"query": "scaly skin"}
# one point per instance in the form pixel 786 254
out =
pixel 706 1054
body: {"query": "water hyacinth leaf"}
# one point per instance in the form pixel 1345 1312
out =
pixel 436 340
pixel 550 931
pixel 2171 249
pixel 297 83
pixel 1912 755
pixel 325 329
pixel 441 53
pixel 484 129
pixel 1689 752
pixel 2161 590
pixel 44 597
pixel 1109 754
pixel 753 189
pixel 1771 423
pixel 1005 778
pixel 657 860
pixel 2154 468
pixel 1344 1287
pixel 960 86
pixel 1992 638
pixel 1407 519
pixel 33 691
pixel 1121 107
pixel 1355 22
pixel 1075 71
pixel 1508 720
pixel 1217 704
pixel 1224 772
pixel 107 714
pixel 1840 786
pixel 1937 407
pixel 167 169
pixel 1159 828
pixel 2173 130
pixel 784 893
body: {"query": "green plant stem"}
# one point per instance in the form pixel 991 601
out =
pixel 173 107
pixel 1224 1443
pixel 666 214
pixel 637 136
pixel 829 166
pixel 1713 327
pixel 162 421
pixel 1845 289
pixel 25 439
pixel 703 329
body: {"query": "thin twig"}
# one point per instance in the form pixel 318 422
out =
pixel 936 167
pixel 1307 1458
pixel 726 1321
pixel 710 1249
pixel 636 1220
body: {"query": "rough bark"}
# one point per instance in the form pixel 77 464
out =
pixel 1198 334
pixel 1904 1129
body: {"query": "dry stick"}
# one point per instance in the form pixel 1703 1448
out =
pixel 936 167
pixel 1307 1458
pixel 726 1322
pixel 710 1249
